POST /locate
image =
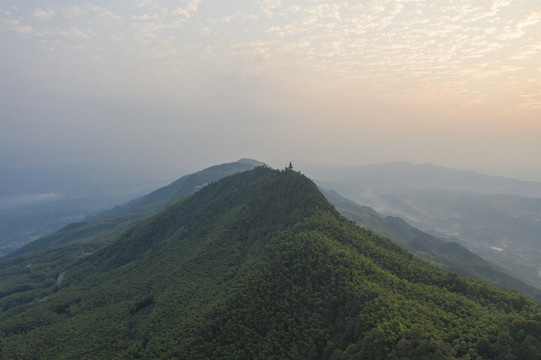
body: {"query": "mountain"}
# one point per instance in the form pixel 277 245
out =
pixel 161 198
pixel 101 228
pixel 447 255
pixel 424 176
pixel 110 222
pixel 499 219
pixel 256 265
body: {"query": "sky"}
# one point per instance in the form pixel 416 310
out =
pixel 178 85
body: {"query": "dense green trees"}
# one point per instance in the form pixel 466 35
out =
pixel 258 266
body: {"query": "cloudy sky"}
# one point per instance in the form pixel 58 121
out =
pixel 185 84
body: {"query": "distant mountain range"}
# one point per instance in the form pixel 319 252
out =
pixel 423 176
pixel 256 265
pixel 35 203
pixel 107 223
pixel 497 218
pixel 447 255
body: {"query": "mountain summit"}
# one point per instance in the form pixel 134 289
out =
pixel 260 266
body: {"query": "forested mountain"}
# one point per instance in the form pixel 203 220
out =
pixel 447 255
pixel 497 218
pixel 102 226
pixel 98 230
pixel 256 265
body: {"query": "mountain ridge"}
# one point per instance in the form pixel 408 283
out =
pixel 427 175
pixel 113 221
pixel 260 265
pixel 99 230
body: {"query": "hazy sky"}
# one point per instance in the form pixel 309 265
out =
pixel 187 84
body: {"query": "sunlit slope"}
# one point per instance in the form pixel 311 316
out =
pixel 260 266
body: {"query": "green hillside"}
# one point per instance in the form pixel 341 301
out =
pixel 101 229
pixel 255 266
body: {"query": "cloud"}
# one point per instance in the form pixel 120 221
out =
pixel 75 11
pixel 72 31
pixel 382 44
pixel 254 47
pixel 517 29
pixel 268 6
pixel 147 17
pixel 205 30
pixel 531 98
pixel 44 14
pixel 144 3
pixel 208 53
pixel 103 16
pixel 293 9
pixel 273 29
pixel 497 5
pixel 181 12
pixel 187 10
pixel 528 52
pixel 532 19
pixel 15 25
pixel 192 5
pixel 239 15
pixel 395 9
pixel 392 48
pixel 96 15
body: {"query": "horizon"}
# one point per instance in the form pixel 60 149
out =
pixel 178 85
pixel 312 170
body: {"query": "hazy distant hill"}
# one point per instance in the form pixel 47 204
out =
pixel 110 222
pixel 162 197
pixel 34 203
pixel 424 176
pixel 499 219
pixel 256 266
pixel 447 255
